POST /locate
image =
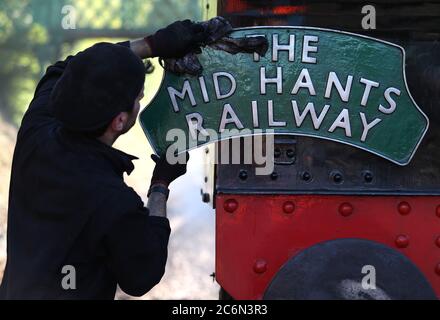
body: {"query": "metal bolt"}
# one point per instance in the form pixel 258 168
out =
pixel 437 242
pixel 288 207
pixel 230 205
pixel 243 174
pixel 345 209
pixel 337 178
pixel 205 197
pixel 402 241
pixel 368 176
pixel 206 150
pixel 437 269
pixel 306 176
pixel 260 266
pixel 404 208
pixel 274 175
pixel 290 153
pixel 276 152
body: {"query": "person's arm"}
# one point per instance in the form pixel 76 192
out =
pixel 141 48
pixel 39 112
pixel 138 240
pixel 157 200
pixel 173 41
pixel 138 250
pixel 163 174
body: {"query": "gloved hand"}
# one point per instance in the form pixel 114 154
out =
pixel 177 39
pixel 166 173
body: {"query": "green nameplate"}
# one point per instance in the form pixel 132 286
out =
pixel 313 82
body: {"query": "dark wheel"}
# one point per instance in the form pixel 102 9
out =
pixel 343 269
pixel 223 295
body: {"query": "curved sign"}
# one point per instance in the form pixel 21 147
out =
pixel 314 82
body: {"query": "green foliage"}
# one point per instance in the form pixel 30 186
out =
pixel 20 69
pixel 31 36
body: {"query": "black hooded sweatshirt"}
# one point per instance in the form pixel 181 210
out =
pixel 75 229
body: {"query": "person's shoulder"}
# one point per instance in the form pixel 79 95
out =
pixel 119 196
pixel 29 141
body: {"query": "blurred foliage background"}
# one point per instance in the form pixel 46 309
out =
pixel 32 36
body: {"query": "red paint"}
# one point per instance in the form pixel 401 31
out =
pixel 235 6
pixel 257 229
pixel 345 209
pixel 402 241
pixel 287 10
pixel 437 211
pixel 437 242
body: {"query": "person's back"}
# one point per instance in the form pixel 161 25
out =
pixel 67 202
pixel 75 229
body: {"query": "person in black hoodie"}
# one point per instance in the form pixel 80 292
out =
pixel 75 229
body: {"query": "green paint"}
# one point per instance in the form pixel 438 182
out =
pixel 394 136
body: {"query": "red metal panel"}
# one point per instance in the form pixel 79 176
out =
pixel 242 6
pixel 257 234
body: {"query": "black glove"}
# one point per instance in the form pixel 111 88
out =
pixel 177 39
pixel 166 173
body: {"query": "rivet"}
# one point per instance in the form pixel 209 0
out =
pixel 345 209
pixel 230 205
pixel 205 197
pixel 306 176
pixel 437 211
pixel 243 174
pixel 288 207
pixel 290 153
pixel 404 208
pixel 437 269
pixel 274 175
pixel 337 177
pixel 437 242
pixel 402 241
pixel 368 176
pixel 260 266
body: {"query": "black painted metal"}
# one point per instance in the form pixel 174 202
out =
pixel 310 165
pixel 336 270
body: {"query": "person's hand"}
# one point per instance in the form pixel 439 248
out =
pixel 166 173
pixel 177 39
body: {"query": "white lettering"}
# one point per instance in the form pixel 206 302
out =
pixel 218 93
pixel 277 80
pixel 333 79
pixel 342 121
pixel 229 116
